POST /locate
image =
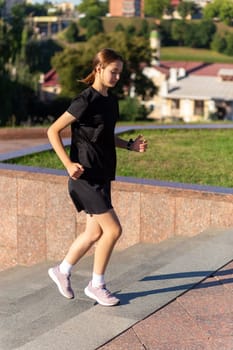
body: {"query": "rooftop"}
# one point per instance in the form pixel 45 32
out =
pixel 202 87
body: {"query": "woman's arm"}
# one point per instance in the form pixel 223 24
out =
pixel 54 134
pixel 137 145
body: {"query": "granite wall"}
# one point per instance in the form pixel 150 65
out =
pixel 39 222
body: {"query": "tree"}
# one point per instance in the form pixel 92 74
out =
pixel 39 54
pixel 222 9
pixel 92 22
pixel 190 36
pixel 155 8
pixel 219 43
pixel 186 8
pixel 94 27
pixel 93 8
pixel 70 66
pixel 226 12
pixel 119 27
pixel 72 33
pixel 36 9
pixel 178 31
pixel 6 93
pixel 2 4
pixel 205 32
pixel 165 30
pixel 229 43
pixel 26 34
pixel 130 30
pixel 212 9
pixel 4 45
pixel 145 29
pixel 15 32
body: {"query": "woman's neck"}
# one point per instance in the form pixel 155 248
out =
pixel 100 88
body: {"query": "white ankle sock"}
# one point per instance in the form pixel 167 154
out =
pixel 65 267
pixel 97 280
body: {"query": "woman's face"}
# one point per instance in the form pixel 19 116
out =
pixel 111 74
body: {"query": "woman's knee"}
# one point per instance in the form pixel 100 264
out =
pixel 117 232
pixel 94 236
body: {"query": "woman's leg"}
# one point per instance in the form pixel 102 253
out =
pixel 104 228
pixel 61 274
pixel 84 241
pixel 111 229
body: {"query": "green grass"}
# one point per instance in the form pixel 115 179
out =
pixel 189 54
pixel 187 156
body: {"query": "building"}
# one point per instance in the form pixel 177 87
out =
pixel 65 7
pixel 126 8
pixel 200 3
pixel 191 91
pixel 49 86
pixel 46 26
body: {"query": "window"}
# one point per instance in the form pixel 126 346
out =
pixel 175 104
pixel 199 107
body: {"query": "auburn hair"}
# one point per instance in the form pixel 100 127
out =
pixel 104 57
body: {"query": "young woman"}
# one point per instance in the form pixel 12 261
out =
pixel 91 167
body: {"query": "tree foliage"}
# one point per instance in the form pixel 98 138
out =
pixel 93 8
pixel 222 9
pixel 219 43
pixel 70 67
pixel 145 29
pixel 131 109
pixel 186 8
pixel 72 33
pixel 155 8
pixel 95 26
pixel 165 30
pixel 226 12
pixel 229 44
pixel 39 54
pixel 193 34
pixel 4 45
pixel 178 31
pixel 200 34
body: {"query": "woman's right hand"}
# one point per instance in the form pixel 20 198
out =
pixel 75 170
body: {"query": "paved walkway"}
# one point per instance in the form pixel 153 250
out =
pixel 184 301
pixel 200 319
pixel 175 295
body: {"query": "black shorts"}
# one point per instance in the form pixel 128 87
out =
pixel 93 198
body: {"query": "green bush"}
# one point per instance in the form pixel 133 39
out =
pixel 131 110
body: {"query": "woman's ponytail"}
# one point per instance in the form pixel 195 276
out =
pixel 89 79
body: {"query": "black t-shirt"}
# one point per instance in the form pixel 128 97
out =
pixel 92 142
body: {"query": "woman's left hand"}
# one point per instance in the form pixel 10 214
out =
pixel 139 144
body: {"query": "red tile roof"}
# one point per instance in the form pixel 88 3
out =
pixel 51 78
pixel 194 68
pixel 212 69
pixel 175 2
pixel 189 67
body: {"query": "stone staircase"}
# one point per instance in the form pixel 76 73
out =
pixel 146 277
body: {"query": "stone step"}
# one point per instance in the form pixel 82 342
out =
pixel 146 277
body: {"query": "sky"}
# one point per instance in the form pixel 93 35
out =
pixel 75 2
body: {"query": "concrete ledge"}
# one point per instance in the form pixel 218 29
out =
pixel 39 221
